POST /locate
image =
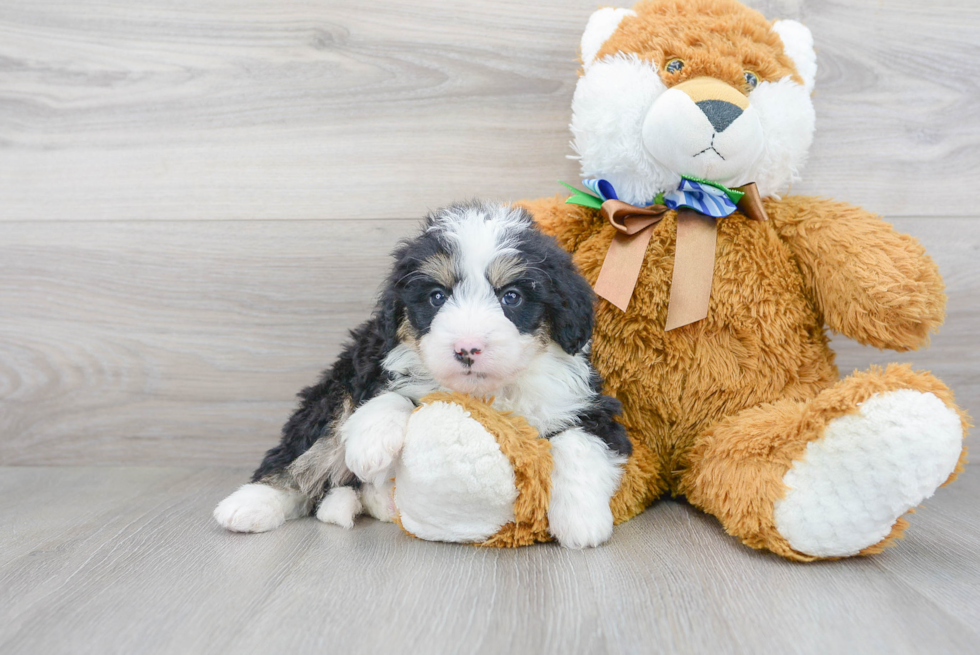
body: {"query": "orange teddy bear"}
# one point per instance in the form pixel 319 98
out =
pixel 690 117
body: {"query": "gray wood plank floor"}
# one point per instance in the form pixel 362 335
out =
pixel 128 560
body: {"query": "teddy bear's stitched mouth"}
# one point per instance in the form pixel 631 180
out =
pixel 711 148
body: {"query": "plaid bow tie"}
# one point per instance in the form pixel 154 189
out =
pixel 698 203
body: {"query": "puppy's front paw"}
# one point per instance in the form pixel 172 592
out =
pixel 584 478
pixel 580 527
pixel 371 460
pixel 373 436
pixel 253 508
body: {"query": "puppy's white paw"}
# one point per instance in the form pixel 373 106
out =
pixel 581 527
pixel 258 508
pixel 378 501
pixel 584 477
pixel 340 506
pixel 374 434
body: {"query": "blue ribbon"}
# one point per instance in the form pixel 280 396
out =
pixel 693 194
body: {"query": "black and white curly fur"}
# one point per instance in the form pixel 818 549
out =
pixel 482 303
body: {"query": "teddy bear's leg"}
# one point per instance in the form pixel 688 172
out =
pixel 644 479
pixel 832 476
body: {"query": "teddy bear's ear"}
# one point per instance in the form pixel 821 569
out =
pixel 600 27
pixel 798 45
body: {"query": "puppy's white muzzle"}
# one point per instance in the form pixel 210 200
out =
pixel 472 347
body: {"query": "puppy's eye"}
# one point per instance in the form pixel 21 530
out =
pixel 511 299
pixel 751 79
pixel 674 66
pixel 437 298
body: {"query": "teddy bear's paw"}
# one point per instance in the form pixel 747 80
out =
pixel 340 506
pixel 258 508
pixel 373 436
pixel 871 467
pixel 378 501
pixel 452 481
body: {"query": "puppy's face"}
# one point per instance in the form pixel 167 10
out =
pixel 481 293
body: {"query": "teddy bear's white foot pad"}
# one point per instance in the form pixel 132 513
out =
pixel 870 468
pixel 259 508
pixel 340 506
pixel 453 483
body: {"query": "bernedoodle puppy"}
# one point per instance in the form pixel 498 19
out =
pixel 482 303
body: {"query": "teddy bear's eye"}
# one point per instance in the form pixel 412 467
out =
pixel 674 65
pixel 751 79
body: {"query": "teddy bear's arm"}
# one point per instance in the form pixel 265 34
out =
pixel 568 224
pixel 872 284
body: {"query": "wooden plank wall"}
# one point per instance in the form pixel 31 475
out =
pixel 197 199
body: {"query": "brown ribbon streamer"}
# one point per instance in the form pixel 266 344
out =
pixel 694 254
pixel 750 204
pixel 694 268
pixel 621 267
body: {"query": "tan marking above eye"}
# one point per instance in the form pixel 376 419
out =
pixel 440 268
pixel 504 270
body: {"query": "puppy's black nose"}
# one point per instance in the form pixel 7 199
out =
pixel 720 113
pixel 466 356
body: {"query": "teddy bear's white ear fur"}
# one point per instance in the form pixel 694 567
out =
pixel 798 44
pixel 600 27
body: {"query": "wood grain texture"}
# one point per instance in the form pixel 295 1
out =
pixel 241 109
pixel 185 343
pixel 98 560
pixel 173 343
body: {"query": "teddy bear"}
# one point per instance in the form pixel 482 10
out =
pixel 691 119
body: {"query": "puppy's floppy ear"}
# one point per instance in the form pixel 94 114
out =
pixel 389 317
pixel 571 310
pixel 390 311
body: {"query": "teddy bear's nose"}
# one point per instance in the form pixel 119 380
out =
pixel 720 113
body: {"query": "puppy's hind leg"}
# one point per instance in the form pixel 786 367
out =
pixel 340 506
pixel 260 507
pixel 378 501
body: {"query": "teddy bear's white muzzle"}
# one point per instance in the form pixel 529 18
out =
pixel 711 139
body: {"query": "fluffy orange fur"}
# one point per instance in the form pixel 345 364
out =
pixel 715 38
